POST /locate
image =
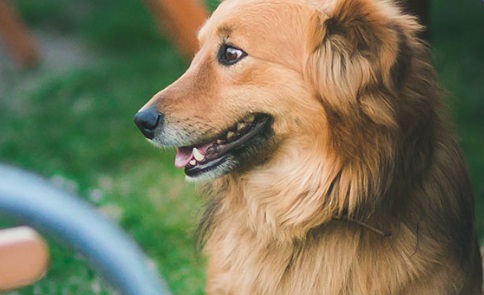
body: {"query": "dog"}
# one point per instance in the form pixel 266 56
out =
pixel 317 129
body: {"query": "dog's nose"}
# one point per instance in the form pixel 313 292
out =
pixel 147 120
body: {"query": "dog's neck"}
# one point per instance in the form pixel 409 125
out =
pixel 290 197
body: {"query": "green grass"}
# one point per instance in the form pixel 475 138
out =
pixel 75 127
pixel 459 60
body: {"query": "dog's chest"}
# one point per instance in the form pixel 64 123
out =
pixel 337 261
pixel 241 263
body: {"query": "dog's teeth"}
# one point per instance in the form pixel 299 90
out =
pixel 250 119
pixel 193 162
pixel 230 135
pixel 198 156
pixel 241 126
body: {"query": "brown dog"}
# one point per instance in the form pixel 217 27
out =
pixel 332 169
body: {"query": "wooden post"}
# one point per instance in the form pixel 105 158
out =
pixel 18 41
pixel 180 20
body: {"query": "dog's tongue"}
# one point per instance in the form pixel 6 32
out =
pixel 185 154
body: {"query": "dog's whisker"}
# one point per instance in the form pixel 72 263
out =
pixel 384 233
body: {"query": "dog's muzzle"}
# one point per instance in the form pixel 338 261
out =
pixel 147 120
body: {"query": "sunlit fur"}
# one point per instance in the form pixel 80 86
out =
pixel 363 188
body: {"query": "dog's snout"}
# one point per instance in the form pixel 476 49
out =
pixel 147 120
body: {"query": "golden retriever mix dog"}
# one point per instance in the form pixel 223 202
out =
pixel 316 127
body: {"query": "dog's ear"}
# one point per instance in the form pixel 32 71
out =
pixel 355 47
pixel 363 65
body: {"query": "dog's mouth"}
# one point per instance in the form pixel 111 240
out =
pixel 221 154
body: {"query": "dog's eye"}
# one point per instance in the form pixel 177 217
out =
pixel 229 55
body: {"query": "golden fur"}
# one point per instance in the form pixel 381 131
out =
pixel 362 188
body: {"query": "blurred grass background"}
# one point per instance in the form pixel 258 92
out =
pixel 70 120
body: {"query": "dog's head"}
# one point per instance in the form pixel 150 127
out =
pixel 274 74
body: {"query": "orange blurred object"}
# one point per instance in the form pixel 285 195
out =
pixel 17 39
pixel 23 257
pixel 180 20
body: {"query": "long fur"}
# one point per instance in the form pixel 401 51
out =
pixel 363 188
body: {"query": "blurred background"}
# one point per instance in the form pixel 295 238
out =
pixel 70 119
